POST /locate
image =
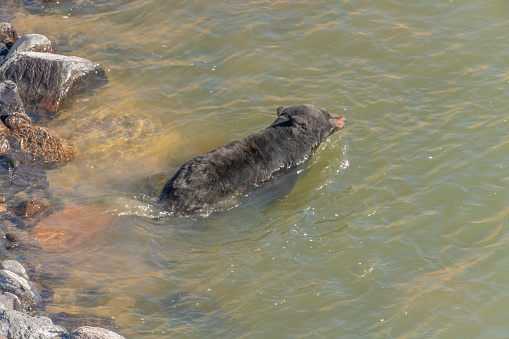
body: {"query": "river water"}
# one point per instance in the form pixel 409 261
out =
pixel 397 227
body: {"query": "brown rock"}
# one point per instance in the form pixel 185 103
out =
pixel 28 209
pixel 3 128
pixel 5 146
pixel 12 237
pixel 8 33
pixel 44 145
pixel 17 121
pixel 72 226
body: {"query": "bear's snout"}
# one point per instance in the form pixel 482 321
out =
pixel 338 121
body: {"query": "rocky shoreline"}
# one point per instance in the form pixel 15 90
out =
pixel 34 82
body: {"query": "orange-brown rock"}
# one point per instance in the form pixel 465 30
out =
pixel 27 209
pixel 3 128
pixel 44 145
pixel 72 226
pixel 8 33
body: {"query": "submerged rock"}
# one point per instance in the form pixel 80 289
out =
pixel 27 209
pixel 21 169
pixel 44 80
pixel 71 227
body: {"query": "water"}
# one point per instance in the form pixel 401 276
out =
pixel 397 227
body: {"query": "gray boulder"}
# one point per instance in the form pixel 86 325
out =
pixel 14 267
pixel 17 285
pixel 15 324
pixel 31 43
pixel 14 280
pixel 88 332
pixel 44 80
pixel 9 302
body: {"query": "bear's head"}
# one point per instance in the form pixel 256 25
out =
pixel 313 119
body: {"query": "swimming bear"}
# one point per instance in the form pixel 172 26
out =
pixel 212 179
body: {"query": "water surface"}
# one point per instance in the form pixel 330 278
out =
pixel 397 227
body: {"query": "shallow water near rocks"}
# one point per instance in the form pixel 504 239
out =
pixel 397 227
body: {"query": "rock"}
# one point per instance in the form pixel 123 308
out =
pixel 12 110
pixel 14 267
pixel 31 43
pixel 47 147
pixel 44 80
pixel 17 121
pixel 14 241
pixel 71 227
pixel 14 279
pixel 15 324
pixel 10 101
pixel 12 237
pixel 87 332
pixel 16 296
pixel 21 170
pixel 8 33
pixel 2 199
pixel 4 50
pixel 73 320
pixel 3 129
pixel 27 209
pixel 16 159
pixel 17 285
pixel 5 146
pixel 9 301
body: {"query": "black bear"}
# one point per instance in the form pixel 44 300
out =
pixel 214 178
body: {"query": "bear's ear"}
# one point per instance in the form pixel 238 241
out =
pixel 280 110
pixel 300 120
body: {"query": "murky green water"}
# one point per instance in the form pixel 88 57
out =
pixel 396 228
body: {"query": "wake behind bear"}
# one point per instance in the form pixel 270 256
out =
pixel 214 178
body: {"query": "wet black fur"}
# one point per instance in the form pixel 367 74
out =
pixel 228 171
